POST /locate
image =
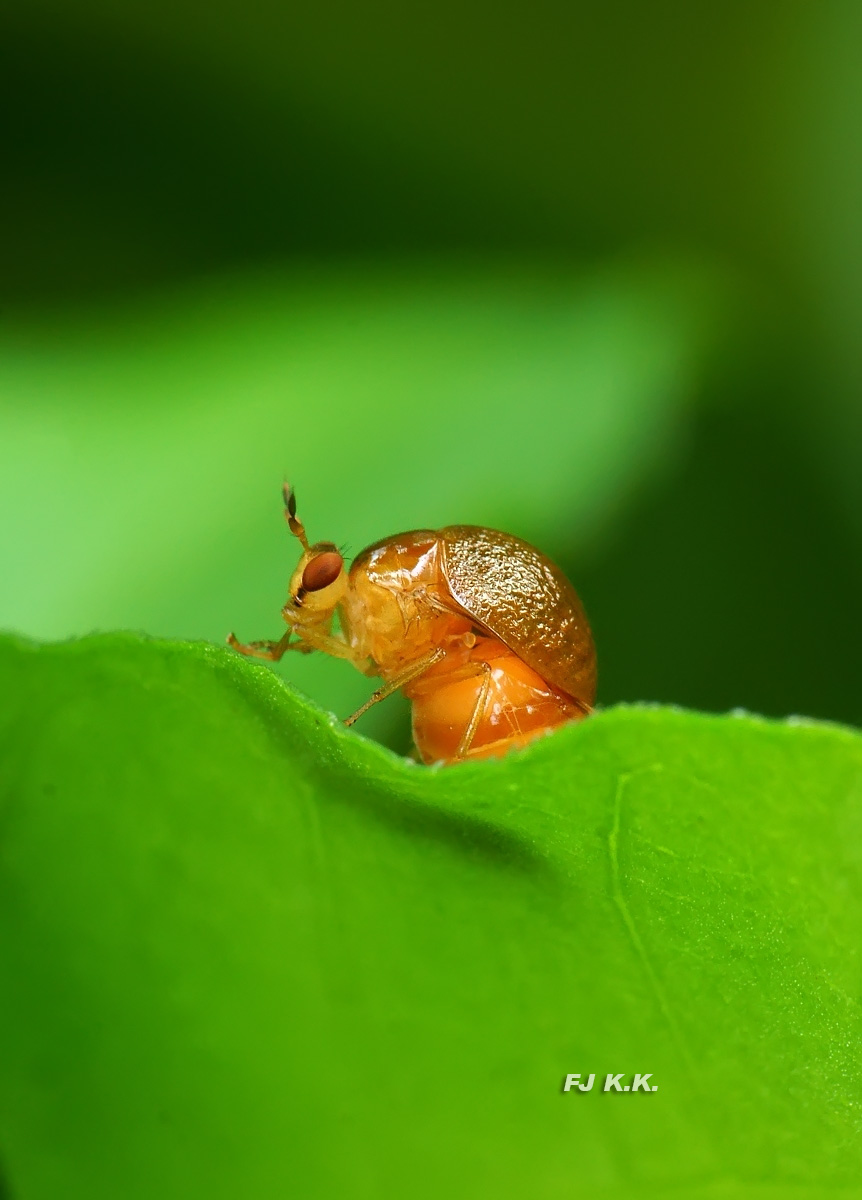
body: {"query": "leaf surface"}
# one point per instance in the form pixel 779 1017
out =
pixel 249 953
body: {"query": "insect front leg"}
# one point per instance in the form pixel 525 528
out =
pixel 271 651
pixel 336 645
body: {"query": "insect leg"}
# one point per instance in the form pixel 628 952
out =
pixel 271 651
pixel 478 712
pixel 467 671
pixel 328 643
pixel 392 685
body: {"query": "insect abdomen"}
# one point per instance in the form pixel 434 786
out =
pixel 520 706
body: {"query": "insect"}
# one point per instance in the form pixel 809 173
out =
pixel 482 632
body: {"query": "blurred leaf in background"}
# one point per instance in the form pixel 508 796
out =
pixel 150 450
pixel 317 243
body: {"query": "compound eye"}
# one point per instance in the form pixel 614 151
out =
pixel 323 570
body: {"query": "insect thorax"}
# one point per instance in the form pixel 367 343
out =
pixel 395 608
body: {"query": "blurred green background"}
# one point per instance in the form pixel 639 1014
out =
pixel 589 273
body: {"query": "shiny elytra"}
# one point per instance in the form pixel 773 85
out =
pixel 481 631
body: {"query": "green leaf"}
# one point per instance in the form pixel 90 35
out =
pixel 248 953
pixel 144 454
pixel 142 451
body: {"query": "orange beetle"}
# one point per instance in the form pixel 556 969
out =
pixel 485 636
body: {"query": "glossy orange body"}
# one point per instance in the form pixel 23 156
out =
pixel 399 607
pixel 520 706
pixel 481 631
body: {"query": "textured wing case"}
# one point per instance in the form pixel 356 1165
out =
pixel 522 598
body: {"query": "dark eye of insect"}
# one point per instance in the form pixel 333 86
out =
pixel 323 570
